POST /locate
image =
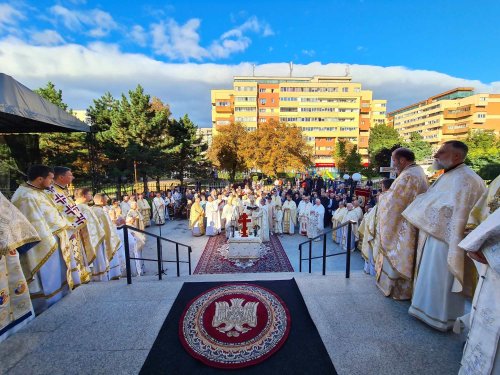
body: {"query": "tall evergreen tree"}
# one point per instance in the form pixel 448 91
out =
pixel 353 160
pixel 140 133
pixel 66 149
pixel 187 155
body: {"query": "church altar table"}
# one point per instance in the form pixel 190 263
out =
pixel 244 247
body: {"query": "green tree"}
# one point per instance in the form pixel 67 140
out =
pixel 353 160
pixel 141 135
pixel 484 153
pixel 382 136
pixel 187 155
pixel 421 148
pixel 50 93
pixel 340 155
pixel 106 152
pixel 65 149
pixel 227 149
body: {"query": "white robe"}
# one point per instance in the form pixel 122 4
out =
pixel 350 216
pixel 125 206
pixel 303 216
pixel 158 210
pixel 213 218
pixel 260 217
pixel 481 350
pixel 278 221
pixel 442 272
pixel 316 221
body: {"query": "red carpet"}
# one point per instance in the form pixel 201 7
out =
pixel 213 260
pixel 234 326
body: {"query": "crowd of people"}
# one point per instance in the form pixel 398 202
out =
pixel 305 207
pixel 438 246
pixel 432 245
pixel 52 242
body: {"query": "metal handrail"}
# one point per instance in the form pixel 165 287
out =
pixel 324 255
pixel 159 252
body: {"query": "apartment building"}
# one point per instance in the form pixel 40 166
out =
pixel 327 109
pixel 449 115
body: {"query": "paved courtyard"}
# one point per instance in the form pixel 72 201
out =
pixel 109 328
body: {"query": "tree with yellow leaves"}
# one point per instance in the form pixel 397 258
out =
pixel 228 149
pixel 277 147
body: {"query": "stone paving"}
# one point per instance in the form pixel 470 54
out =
pixel 109 328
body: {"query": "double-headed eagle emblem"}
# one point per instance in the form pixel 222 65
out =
pixel 234 317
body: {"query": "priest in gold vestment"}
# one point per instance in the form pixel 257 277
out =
pixel 370 242
pixel 16 234
pixel 96 235
pixel 443 274
pixel 82 254
pixel 397 237
pixel 47 266
pixel 289 215
pixel 337 220
pixel 145 210
pixel 113 249
pixel 196 218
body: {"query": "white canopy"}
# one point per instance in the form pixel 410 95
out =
pixel 24 111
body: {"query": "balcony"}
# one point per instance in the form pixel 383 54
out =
pixel 364 125
pixel 451 114
pixel 224 109
pixel 454 129
pixel 323 152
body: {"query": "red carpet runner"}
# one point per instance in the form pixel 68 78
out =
pixel 213 260
pixel 234 326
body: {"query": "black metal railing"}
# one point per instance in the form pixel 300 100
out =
pixel 324 254
pixel 159 253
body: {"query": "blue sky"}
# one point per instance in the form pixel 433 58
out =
pixel 403 50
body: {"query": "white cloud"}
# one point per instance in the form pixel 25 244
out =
pixel 182 42
pixel 47 38
pixel 179 42
pixel 9 18
pixel 100 23
pixel 87 72
pixel 139 35
pixel 69 18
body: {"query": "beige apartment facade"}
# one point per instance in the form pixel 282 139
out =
pixel 449 115
pixel 327 109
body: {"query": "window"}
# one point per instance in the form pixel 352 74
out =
pixel 262 120
pixel 223 122
pixel 481 115
pixel 262 110
pixel 345 89
pixel 262 90
pixel 263 101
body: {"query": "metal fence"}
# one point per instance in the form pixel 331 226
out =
pixel 159 253
pixel 324 254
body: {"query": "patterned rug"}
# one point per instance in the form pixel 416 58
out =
pixel 234 326
pixel 293 345
pixel 214 258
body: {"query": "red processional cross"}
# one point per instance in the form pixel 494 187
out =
pixel 243 221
